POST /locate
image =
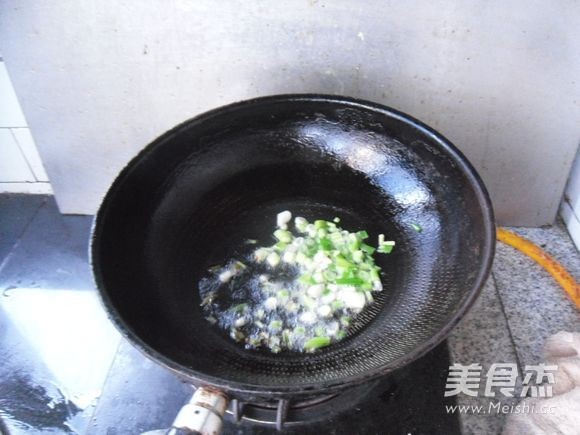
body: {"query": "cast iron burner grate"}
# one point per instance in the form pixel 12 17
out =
pixel 409 400
pixel 284 413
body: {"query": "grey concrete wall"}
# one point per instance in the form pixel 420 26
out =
pixel 99 80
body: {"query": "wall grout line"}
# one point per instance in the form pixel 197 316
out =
pixel 24 182
pixel 36 180
pixel 509 329
pixel 567 202
pixel 91 419
pixel 19 238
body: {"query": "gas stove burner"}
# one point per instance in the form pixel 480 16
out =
pixel 284 413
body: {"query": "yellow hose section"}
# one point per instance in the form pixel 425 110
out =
pixel 555 269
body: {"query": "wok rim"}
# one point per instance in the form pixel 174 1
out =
pixel 199 378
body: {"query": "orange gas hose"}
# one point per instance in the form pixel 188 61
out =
pixel 566 281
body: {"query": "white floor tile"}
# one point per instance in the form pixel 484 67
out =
pixel 70 337
pixel 569 216
pixel 566 212
pixel 13 166
pixel 573 185
pixel 10 113
pixel 37 188
pixel 28 148
pixel 483 337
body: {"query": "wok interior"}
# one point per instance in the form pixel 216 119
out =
pixel 192 198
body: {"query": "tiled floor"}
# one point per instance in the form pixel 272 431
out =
pixel 56 341
pixel 46 291
pixel 21 169
pixel 519 308
pixel 483 337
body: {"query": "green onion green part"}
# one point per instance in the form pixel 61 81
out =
pixel 316 343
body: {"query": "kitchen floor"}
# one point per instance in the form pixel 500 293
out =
pixel 65 369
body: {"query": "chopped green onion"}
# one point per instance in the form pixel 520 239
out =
pixel 283 218
pixel 281 246
pixel 308 302
pixel 349 281
pixel 362 235
pixel 254 341
pixel 318 277
pixel 367 248
pixel 337 276
pixel 316 343
pixel 261 254
pixel 283 235
pixel 208 299
pixel 286 336
pixel 386 247
pixel 318 224
pixel 336 305
pixel 237 335
pixel 238 266
pixel 366 286
pixel 300 223
pixel 335 237
pixel 345 321
pixel 358 256
pixel 273 259
pixel 301 258
pixel 325 244
pixel 330 275
pixel 276 324
pixel 342 262
pixel 306 279
pixel 416 227
pixel 240 308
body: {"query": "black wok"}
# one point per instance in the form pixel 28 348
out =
pixel 190 198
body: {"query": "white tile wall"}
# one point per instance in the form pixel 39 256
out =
pixel 21 170
pixel 10 112
pixel 28 149
pixel 13 165
pixel 570 207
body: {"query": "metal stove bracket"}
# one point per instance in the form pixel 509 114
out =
pixel 281 413
pixel 237 410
